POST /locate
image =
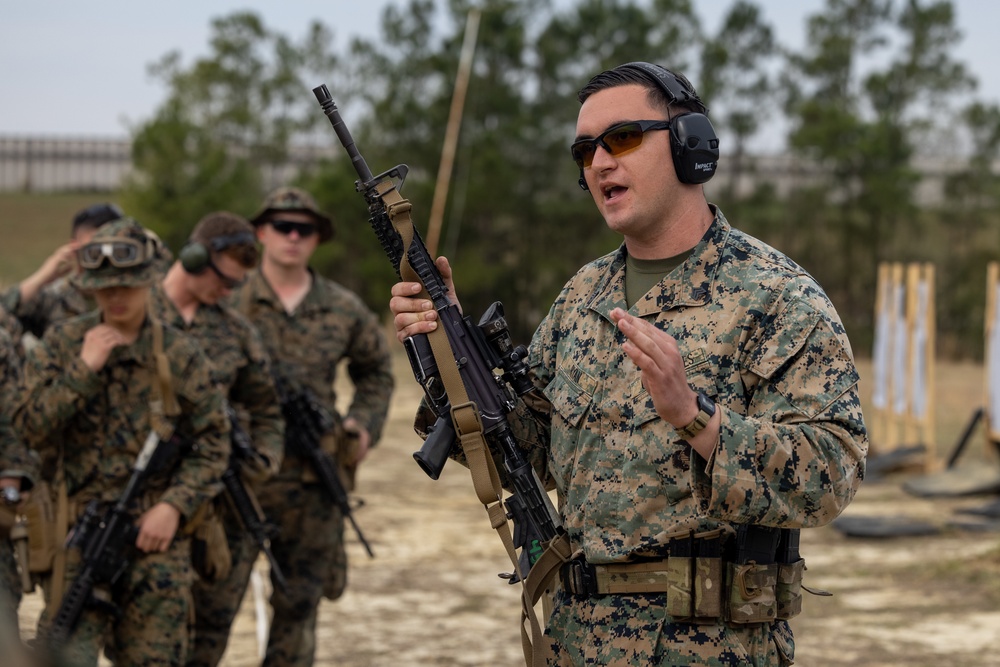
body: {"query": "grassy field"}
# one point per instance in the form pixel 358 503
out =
pixel 33 226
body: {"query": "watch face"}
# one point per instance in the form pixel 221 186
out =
pixel 705 404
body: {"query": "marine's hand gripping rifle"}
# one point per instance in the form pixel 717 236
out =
pixel 477 351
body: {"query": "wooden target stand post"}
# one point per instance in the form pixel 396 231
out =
pixel 992 360
pixel 903 404
pixel 902 422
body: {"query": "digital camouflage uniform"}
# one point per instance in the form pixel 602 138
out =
pixel 330 325
pixel 57 301
pixel 760 338
pixel 241 369
pixel 97 422
pixel 10 324
pixel 15 461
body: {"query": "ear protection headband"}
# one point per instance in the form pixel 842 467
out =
pixel 694 145
pixel 195 256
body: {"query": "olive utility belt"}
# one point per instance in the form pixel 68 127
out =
pixel 697 589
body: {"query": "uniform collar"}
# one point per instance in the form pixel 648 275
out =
pixel 690 284
pixel 139 351
pixel 261 290
pixel 166 309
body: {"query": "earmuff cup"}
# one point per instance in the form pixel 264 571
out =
pixel 195 256
pixel 695 148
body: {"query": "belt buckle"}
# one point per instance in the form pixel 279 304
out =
pixel 579 578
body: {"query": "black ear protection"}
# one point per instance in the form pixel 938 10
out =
pixel 694 145
pixel 195 256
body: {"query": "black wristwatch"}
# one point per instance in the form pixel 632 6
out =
pixel 706 409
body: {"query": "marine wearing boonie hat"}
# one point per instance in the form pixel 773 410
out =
pixel 289 200
pixel 120 254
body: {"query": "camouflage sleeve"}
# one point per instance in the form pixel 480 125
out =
pixel 795 457
pixel 13 327
pixel 370 369
pixel 56 386
pixel 254 392
pixel 197 477
pixel 15 460
pixel 10 297
pixel 34 315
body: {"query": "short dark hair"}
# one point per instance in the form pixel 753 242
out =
pixel 96 215
pixel 236 233
pixel 624 75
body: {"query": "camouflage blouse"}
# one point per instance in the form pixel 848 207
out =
pixel 15 460
pixel 760 337
pixel 98 422
pixel 331 325
pixel 239 365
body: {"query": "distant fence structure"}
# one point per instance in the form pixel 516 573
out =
pixel 48 164
pixel 99 164
pixel 96 164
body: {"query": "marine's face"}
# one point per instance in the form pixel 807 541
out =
pixel 634 189
pixel 122 307
pixel 288 247
pixel 218 280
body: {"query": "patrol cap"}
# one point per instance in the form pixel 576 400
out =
pixel 96 215
pixel 289 199
pixel 120 254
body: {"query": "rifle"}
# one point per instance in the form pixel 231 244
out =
pixel 241 498
pixel 306 422
pixel 107 545
pixel 477 350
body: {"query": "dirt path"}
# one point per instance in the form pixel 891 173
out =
pixel 431 596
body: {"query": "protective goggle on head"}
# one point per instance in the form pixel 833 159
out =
pixel 120 252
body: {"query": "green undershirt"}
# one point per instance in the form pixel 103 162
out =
pixel 641 275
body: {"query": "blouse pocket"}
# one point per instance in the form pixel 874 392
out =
pixel 569 395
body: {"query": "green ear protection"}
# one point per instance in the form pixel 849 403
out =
pixel 195 256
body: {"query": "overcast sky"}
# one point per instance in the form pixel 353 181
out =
pixel 79 68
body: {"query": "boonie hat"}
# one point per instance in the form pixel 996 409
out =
pixel 120 254
pixel 293 200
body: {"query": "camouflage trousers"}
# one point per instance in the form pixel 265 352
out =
pixel 635 631
pixel 153 597
pixel 217 603
pixel 310 551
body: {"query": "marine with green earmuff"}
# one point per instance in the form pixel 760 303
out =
pixel 229 531
pixel 196 256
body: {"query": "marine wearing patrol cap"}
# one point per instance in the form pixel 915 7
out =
pixel 120 254
pixel 288 200
pixel 94 216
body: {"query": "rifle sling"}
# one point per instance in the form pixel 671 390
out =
pixel 62 528
pixel 469 430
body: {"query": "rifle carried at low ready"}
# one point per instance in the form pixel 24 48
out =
pixel 306 422
pixel 106 541
pixel 242 500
